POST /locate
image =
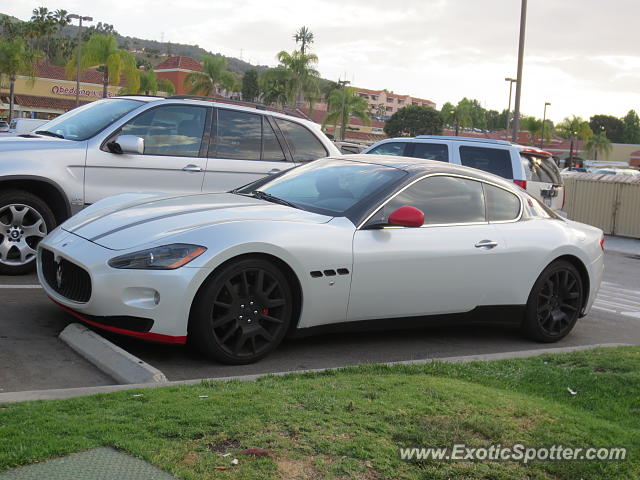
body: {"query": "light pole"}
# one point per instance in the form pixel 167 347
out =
pixel 510 80
pixel 455 118
pixel 544 120
pixel 516 108
pixel 343 84
pixel 80 19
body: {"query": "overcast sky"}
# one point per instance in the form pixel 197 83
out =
pixel 580 55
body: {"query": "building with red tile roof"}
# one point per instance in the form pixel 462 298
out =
pixel 175 69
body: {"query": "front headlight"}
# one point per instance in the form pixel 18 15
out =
pixel 167 257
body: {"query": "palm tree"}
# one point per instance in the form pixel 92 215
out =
pixel 598 143
pixel 574 128
pixel 214 74
pixel 303 36
pixel 102 51
pixel 274 86
pixel 16 58
pixel 303 77
pixel 343 104
pixel 150 84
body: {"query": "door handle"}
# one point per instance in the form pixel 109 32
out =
pixel 488 244
pixel 192 168
pixel 273 171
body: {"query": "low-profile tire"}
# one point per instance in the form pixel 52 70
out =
pixel 554 303
pixel 242 312
pixel 25 220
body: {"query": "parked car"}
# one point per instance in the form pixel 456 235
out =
pixel 348 239
pixel 616 171
pixel 138 144
pixel 4 126
pixel 531 168
pixel 349 147
pixel 20 126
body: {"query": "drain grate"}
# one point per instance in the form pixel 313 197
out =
pixel 97 464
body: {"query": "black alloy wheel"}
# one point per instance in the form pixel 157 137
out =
pixel 242 313
pixel 554 303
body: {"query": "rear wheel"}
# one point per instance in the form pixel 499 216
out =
pixel 242 313
pixel 25 220
pixel 554 303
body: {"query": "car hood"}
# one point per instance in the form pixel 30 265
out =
pixel 12 143
pixel 146 219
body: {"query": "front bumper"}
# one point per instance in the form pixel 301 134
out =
pixel 162 297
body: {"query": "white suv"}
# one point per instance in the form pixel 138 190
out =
pixel 172 145
pixel 531 168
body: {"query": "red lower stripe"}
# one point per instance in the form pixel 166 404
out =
pixel 155 337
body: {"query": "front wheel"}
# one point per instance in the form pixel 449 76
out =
pixel 25 220
pixel 242 312
pixel 554 303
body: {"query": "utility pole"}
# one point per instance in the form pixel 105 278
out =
pixel 544 120
pixel 87 19
pixel 510 80
pixel 343 84
pixel 516 108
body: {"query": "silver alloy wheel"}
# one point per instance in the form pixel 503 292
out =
pixel 21 229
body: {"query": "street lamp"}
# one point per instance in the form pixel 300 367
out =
pixel 544 120
pixel 343 84
pixel 510 80
pixel 86 19
pixel 516 108
pixel 455 117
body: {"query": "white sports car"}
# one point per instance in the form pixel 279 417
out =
pixel 344 240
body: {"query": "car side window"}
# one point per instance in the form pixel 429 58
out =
pixel 492 160
pixel 271 148
pixel 391 148
pixel 443 200
pixel 171 130
pixel 303 144
pixel 239 135
pixel 501 205
pixel 431 151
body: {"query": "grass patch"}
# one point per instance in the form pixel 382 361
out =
pixel 350 423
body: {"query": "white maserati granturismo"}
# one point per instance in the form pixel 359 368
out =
pixel 347 240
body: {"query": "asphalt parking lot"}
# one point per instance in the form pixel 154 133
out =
pixel 33 358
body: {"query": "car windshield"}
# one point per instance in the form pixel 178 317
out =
pixel 84 122
pixel 327 186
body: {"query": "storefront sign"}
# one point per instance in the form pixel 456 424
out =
pixel 71 91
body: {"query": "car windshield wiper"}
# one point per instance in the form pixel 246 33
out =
pixel 48 133
pixel 270 198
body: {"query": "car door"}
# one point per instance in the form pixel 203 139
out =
pixel 244 148
pixel 445 266
pixel 172 161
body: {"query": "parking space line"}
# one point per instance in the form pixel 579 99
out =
pixel 19 286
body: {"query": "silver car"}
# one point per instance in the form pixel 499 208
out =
pixel 124 144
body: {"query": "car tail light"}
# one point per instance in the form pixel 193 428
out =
pixel 521 183
pixel 602 243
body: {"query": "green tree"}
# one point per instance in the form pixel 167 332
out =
pixel 448 113
pixel 598 143
pixel 414 120
pixel 102 51
pixel 213 75
pixel 16 58
pixel 250 87
pixel 343 104
pixel 303 77
pixel 574 127
pixel 150 84
pixel 631 127
pixel 304 37
pixel 274 86
pixel 613 127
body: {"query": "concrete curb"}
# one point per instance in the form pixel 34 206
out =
pixel 111 359
pixel 11 397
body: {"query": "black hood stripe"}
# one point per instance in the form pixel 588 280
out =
pixel 169 215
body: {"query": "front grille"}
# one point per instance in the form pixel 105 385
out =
pixel 66 278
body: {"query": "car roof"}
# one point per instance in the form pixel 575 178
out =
pixel 421 166
pixel 221 104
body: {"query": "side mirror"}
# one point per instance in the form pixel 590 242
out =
pixel 127 144
pixel 407 216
